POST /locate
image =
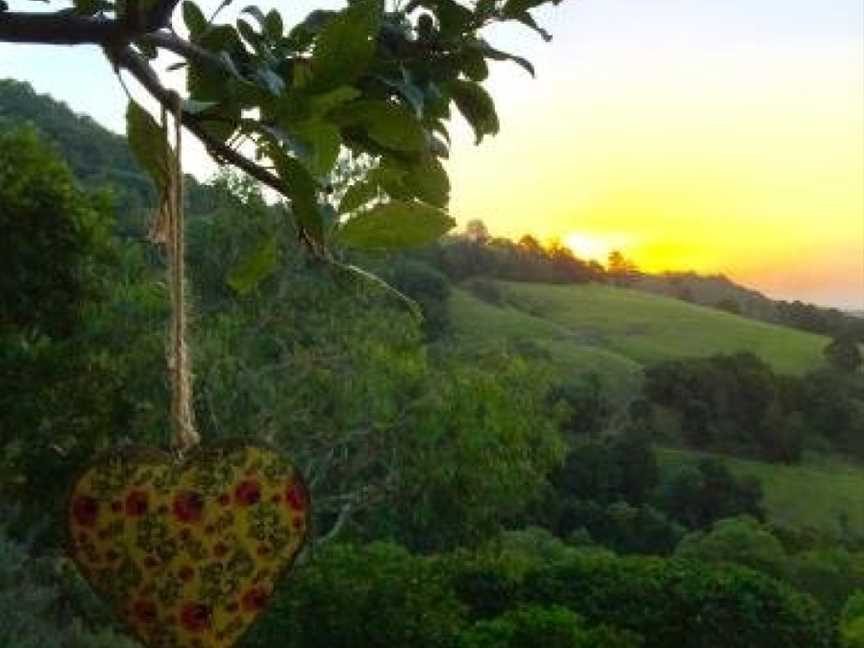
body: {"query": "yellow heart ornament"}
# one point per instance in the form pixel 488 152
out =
pixel 188 552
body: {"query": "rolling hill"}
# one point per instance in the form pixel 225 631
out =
pixel 616 331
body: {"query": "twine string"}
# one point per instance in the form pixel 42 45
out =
pixel 182 414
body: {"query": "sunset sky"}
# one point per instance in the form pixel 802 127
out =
pixel 720 136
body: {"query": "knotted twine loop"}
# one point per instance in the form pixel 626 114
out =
pixel 182 414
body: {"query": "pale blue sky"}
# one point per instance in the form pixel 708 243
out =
pixel 694 102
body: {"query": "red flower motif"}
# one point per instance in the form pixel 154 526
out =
pixel 144 611
pixel 85 510
pixel 254 599
pixel 247 492
pixel 188 506
pixel 295 496
pixel 137 503
pixel 195 617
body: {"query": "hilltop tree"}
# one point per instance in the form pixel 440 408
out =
pixel 620 268
pixel 477 232
pixel 283 102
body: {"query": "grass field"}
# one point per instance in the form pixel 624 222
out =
pixel 616 331
pixel 816 493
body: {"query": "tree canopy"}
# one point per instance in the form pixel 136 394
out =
pixel 283 102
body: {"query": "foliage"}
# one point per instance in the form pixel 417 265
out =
pixel 79 363
pixel 626 528
pixel 521 595
pixel 534 626
pixel 699 495
pixel 682 603
pixel 377 595
pixel 812 505
pixel 483 444
pixel 741 540
pixel 733 402
pixel 49 230
pixel 428 287
pixel 852 621
pixel 475 254
pixel 843 354
pixel 830 574
pixel 610 468
pixel 40 606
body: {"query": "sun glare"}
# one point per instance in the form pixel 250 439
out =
pixel 592 247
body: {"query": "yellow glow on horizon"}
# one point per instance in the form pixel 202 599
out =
pixel 750 165
pixel 597 246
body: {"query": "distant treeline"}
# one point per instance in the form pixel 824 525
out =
pixel 475 253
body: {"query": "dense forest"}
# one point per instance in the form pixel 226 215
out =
pixel 463 498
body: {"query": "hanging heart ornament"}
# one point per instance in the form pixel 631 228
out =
pixel 188 552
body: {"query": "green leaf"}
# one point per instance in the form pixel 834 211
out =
pixel 497 55
pixel 394 225
pixel 390 176
pixel 273 27
pixel 256 13
pixel 528 20
pixel 453 18
pixel 474 65
pixel 248 34
pixel 358 194
pixel 513 8
pixel 389 124
pixel 194 19
pixel 428 181
pixel 345 46
pixel 149 145
pixel 303 192
pixel 323 142
pixel 321 104
pixel 259 265
pixel 476 106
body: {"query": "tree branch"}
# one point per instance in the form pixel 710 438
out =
pixel 159 15
pixel 145 75
pixel 58 28
pixel 184 48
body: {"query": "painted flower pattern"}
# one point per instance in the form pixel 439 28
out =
pixel 188 506
pixel 85 510
pixel 189 553
pixel 247 493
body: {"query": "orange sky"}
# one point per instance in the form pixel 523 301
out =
pixel 693 134
pixel 688 139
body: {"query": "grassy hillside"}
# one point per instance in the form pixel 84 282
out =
pixel 818 493
pixel 615 331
